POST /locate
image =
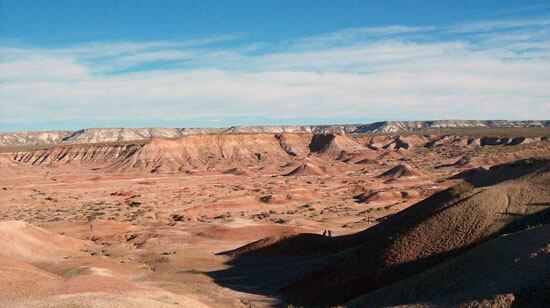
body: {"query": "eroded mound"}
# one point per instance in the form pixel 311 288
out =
pixel 334 146
pixel 401 171
pixel 307 169
pixel 6 161
pixel 26 242
pixel 40 268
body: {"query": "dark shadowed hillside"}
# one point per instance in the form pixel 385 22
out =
pixel 432 232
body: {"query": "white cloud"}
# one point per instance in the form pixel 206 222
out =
pixel 486 26
pixel 349 35
pixel 383 78
pixel 41 67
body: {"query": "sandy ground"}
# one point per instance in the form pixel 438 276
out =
pixel 94 238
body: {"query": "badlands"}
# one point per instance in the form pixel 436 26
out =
pixel 433 213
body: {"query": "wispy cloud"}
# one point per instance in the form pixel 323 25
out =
pixel 386 72
pixel 362 33
pixel 486 26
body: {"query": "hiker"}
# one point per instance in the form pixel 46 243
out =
pixel 91 227
pixel 325 232
pixel 329 233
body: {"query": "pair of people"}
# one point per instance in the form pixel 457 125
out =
pixel 327 233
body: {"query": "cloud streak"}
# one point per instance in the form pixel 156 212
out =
pixel 492 70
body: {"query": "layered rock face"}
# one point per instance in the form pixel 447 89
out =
pixel 210 151
pixel 109 135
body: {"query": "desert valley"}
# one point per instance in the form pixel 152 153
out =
pixel 274 154
pixel 436 213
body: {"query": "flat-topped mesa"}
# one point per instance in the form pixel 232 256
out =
pixel 178 154
pixel 224 151
pixel 108 135
pixel 89 153
pixel 100 135
pixel 407 126
pixel 33 138
pixel 203 151
pixel 292 129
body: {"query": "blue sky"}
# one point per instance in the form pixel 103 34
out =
pixel 75 64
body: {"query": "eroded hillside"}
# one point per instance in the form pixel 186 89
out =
pixel 260 219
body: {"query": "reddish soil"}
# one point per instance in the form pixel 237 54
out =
pixel 147 224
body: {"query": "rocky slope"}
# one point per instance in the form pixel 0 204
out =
pixel 438 231
pixel 214 151
pixel 507 271
pixel 109 135
pixel 431 231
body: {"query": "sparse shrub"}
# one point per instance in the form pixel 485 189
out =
pixel 266 199
pixel 460 188
pixel 176 217
pixel 90 217
pixel 223 216
pixel 261 216
pixel 279 221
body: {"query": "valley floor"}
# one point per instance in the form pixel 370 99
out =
pixel 74 234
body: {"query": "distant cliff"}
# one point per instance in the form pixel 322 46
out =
pixel 407 126
pixel 107 135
